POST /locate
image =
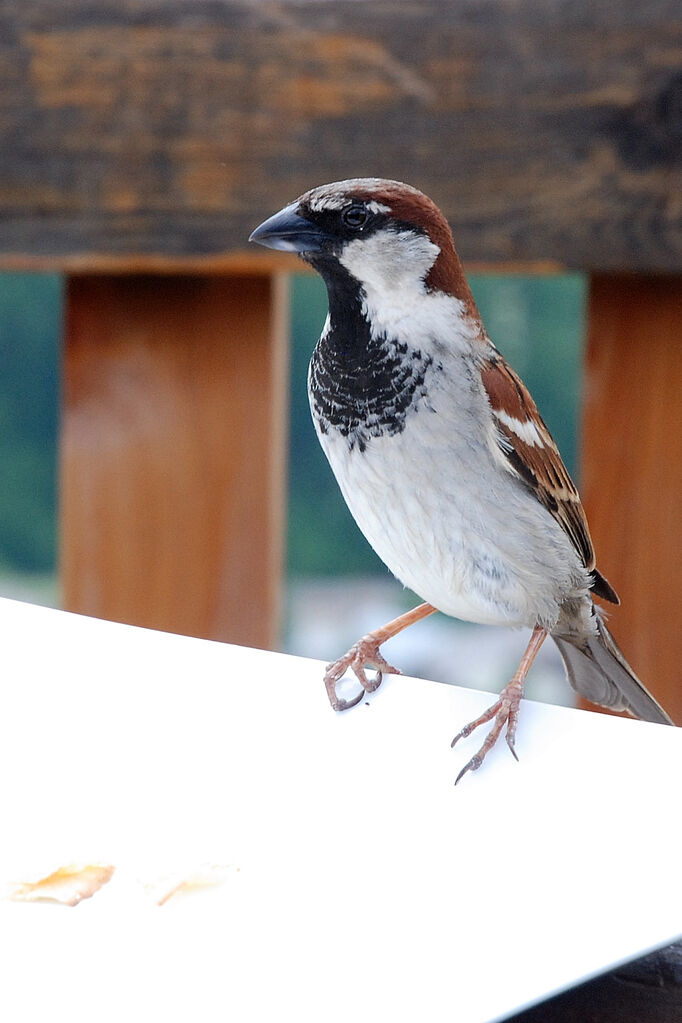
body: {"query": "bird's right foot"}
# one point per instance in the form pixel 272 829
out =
pixel 362 655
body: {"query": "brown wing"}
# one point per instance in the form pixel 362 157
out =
pixel 534 457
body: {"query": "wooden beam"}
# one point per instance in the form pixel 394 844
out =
pixel 632 468
pixel 548 133
pixel 173 453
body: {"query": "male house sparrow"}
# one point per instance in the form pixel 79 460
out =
pixel 440 451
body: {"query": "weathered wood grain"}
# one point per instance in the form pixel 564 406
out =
pixel 549 132
pixel 173 453
pixel 632 468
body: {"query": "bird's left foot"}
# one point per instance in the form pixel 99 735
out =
pixel 504 711
pixel 363 654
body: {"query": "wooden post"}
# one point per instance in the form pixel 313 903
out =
pixel 173 452
pixel 632 468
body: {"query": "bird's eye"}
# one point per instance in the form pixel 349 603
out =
pixel 354 216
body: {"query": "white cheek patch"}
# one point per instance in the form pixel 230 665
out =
pixel 390 261
pixel 525 429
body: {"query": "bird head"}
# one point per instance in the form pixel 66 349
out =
pixel 383 237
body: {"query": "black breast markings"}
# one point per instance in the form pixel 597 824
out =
pixel 365 391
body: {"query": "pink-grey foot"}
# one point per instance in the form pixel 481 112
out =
pixel 505 710
pixel 366 654
pixel 362 655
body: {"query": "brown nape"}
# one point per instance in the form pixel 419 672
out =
pixel 447 273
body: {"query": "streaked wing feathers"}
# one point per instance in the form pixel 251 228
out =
pixel 532 453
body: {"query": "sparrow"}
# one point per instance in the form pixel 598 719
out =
pixel 440 452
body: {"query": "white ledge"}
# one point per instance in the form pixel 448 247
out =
pixel 361 885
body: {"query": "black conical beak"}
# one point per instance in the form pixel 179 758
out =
pixel 289 231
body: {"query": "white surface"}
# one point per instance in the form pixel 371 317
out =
pixel 360 884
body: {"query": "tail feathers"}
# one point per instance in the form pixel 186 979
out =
pixel 598 671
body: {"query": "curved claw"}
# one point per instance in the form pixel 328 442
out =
pixel 473 765
pixel 340 704
pixel 510 743
pixel 465 733
pixel 370 685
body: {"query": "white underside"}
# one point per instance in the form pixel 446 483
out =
pixel 462 548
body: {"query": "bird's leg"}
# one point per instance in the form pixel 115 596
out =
pixel 506 709
pixel 365 654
